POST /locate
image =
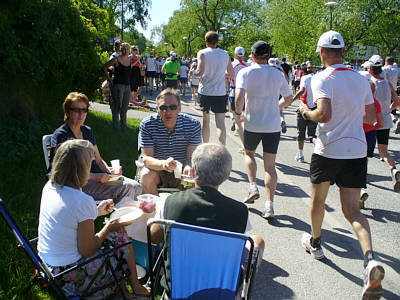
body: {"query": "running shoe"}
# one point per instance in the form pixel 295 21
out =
pixel 283 126
pixel 299 157
pixel 268 213
pixel 241 150
pixel 396 180
pixel 373 275
pixel 317 253
pixel 252 195
pixel 363 197
pixel 397 130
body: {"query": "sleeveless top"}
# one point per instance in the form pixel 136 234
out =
pixel 122 74
pixel 384 96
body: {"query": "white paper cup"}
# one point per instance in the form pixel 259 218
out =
pixel 115 165
pixel 178 170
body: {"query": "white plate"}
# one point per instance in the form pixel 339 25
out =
pixel 141 272
pixel 127 214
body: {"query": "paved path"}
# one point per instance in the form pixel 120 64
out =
pixel 287 271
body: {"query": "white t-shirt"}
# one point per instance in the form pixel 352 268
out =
pixel 114 55
pixel 184 71
pixel 365 74
pixel 61 209
pixel 305 82
pixel 343 136
pixel 393 73
pixel 194 79
pixel 383 94
pixel 216 61
pixel 263 85
pixel 237 66
pixel 151 64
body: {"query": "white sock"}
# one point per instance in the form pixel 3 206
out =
pixel 269 204
pixel 301 152
pixel 253 185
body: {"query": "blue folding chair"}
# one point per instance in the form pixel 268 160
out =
pixel 42 272
pixel 205 263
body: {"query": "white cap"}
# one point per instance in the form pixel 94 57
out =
pixel 330 39
pixel 272 61
pixel 239 51
pixel 375 60
pixel 173 54
pixel 366 64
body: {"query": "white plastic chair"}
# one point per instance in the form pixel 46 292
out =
pixel 46 139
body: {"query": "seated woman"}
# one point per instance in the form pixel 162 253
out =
pixel 66 226
pixel 76 106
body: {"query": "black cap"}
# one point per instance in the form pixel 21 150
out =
pixel 261 48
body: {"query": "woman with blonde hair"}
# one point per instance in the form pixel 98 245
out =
pixel 66 227
pixel 121 89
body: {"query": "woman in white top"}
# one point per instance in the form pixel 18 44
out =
pixel 67 234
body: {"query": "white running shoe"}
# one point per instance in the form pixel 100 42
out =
pixel 373 275
pixel 299 157
pixel 269 211
pixel 317 253
pixel 396 180
pixel 252 195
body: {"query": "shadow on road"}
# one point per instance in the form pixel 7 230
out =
pixel 297 171
pixel 265 287
pixel 383 216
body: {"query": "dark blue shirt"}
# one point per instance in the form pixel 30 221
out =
pixel 64 133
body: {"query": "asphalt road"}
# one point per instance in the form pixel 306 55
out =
pixel 287 271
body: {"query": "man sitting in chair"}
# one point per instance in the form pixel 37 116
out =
pixel 204 205
pixel 166 138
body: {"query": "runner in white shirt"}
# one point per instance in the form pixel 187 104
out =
pixel 183 78
pixel 260 86
pixel 194 81
pixel 213 63
pixel 306 97
pixel 342 97
pixel 392 74
pixel 151 71
pixel 237 64
pixel 388 99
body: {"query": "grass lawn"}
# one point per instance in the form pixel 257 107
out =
pixel 23 177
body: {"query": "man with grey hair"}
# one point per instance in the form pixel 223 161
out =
pixel 204 205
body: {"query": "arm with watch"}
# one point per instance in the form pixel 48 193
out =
pixel 321 114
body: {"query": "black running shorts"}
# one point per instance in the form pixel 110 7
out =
pixel 270 141
pixel 347 173
pixel 217 104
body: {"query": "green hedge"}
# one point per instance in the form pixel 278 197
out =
pixel 48 49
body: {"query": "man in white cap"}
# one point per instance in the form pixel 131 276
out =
pixel 260 86
pixel 340 151
pixel 389 101
pixel 237 64
pixel 392 74
pixel 213 65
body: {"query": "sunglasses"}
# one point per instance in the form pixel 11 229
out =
pixel 79 110
pixel 171 107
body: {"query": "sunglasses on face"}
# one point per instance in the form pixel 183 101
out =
pixel 79 110
pixel 171 107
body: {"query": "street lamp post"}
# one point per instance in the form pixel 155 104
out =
pixel 185 38
pixel 223 30
pixel 331 5
pixel 122 23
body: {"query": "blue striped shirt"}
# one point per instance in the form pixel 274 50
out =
pixel 154 134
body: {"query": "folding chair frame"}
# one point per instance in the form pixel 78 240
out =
pixel 42 271
pixel 154 270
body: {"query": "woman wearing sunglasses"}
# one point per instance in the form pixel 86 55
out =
pixel 76 106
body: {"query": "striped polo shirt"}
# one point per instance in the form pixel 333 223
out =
pixel 154 134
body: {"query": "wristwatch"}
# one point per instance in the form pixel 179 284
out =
pixel 303 114
pixel 238 114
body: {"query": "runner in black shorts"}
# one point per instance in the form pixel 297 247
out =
pixel 344 172
pixel 270 141
pixel 217 104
